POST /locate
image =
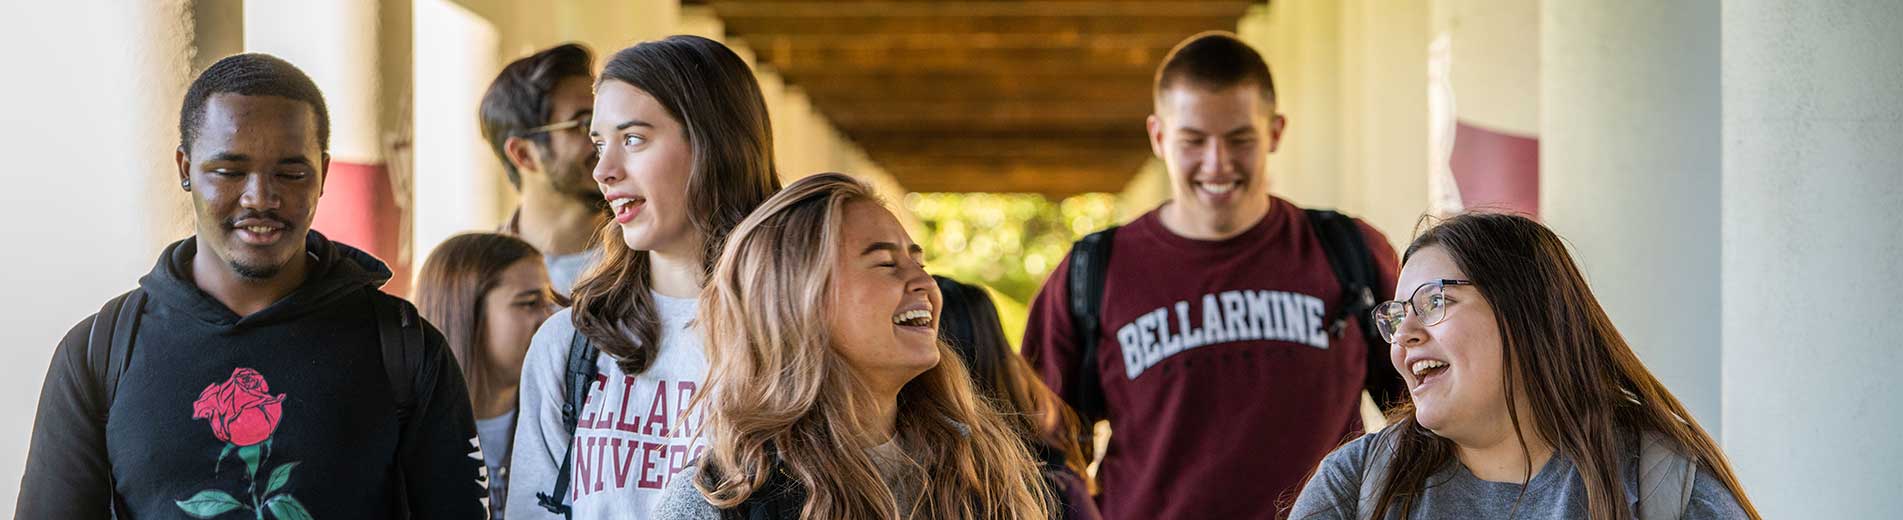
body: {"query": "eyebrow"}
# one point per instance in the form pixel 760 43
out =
pixel 238 157
pixel 624 126
pixel 530 292
pixel 889 246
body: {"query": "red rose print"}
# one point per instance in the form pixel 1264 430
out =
pixel 242 410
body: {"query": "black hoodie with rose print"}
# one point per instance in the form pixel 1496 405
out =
pixel 286 413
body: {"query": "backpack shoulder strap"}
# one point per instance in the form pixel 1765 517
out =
pixel 1089 265
pixel 1665 478
pixel 576 377
pixel 1348 256
pixel 1354 265
pixel 109 343
pixel 400 335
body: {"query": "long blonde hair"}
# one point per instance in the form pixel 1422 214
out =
pixel 779 398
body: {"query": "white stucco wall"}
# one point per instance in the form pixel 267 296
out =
pixel 1813 255
pixel 1629 174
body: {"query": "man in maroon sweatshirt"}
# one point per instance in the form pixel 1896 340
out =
pixel 1221 377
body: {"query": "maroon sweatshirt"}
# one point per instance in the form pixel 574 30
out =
pixel 1222 384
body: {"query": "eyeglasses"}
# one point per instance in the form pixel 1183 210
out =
pixel 579 122
pixel 1429 303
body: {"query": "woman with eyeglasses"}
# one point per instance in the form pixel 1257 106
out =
pixel 1526 401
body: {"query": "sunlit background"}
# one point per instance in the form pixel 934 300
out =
pixel 1730 173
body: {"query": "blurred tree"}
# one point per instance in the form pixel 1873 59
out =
pixel 1006 242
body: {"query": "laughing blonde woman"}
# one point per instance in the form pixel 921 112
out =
pixel 830 395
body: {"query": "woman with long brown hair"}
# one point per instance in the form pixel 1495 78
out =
pixel 1526 401
pixel 830 395
pixel 969 324
pixel 487 293
pixel 685 152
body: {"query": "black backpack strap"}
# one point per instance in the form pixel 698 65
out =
pixel 579 374
pixel 108 352
pixel 109 343
pixel 1089 265
pixel 400 336
pixel 1355 267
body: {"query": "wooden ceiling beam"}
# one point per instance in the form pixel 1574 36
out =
pixel 1147 9
pixel 1005 145
pixel 1056 180
pixel 853 86
pixel 874 24
pixel 1135 61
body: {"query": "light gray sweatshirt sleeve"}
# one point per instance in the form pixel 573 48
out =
pixel 1331 493
pixel 541 439
pixel 681 501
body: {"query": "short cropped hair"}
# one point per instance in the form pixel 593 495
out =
pixel 1214 60
pixel 519 99
pixel 251 74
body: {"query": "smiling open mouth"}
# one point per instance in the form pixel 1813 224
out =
pixel 913 318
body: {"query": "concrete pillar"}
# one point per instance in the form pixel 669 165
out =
pixel 1301 40
pixel 1813 255
pixel 1384 114
pixel 1629 166
pixel 358 52
pixel 91 109
pixel 459 183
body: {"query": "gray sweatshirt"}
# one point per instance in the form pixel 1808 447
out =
pixel 629 439
pixel 1555 492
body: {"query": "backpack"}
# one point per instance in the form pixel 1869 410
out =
pixel 1348 257
pixel 399 332
pixel 1665 476
pixel 579 375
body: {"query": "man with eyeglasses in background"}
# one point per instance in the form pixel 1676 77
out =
pixel 535 116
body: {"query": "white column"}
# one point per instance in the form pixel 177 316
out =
pixel 1629 173
pixel 1384 114
pixel 91 110
pixel 459 183
pixel 1813 255
pixel 1301 41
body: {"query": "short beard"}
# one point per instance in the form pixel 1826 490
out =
pixel 578 186
pixel 255 272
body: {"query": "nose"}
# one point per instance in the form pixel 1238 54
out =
pixel 1216 157
pixel 917 280
pixel 607 167
pixel 260 192
pixel 1409 333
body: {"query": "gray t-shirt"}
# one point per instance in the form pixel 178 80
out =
pixel 1555 492
pixel 495 435
pixel 565 270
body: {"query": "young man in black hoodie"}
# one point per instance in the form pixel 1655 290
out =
pixel 265 371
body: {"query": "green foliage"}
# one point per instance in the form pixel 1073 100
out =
pixel 1008 242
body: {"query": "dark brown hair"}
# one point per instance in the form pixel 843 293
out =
pixel 519 98
pixel 969 323
pixel 449 294
pixel 1585 386
pixel 1215 60
pixel 710 90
